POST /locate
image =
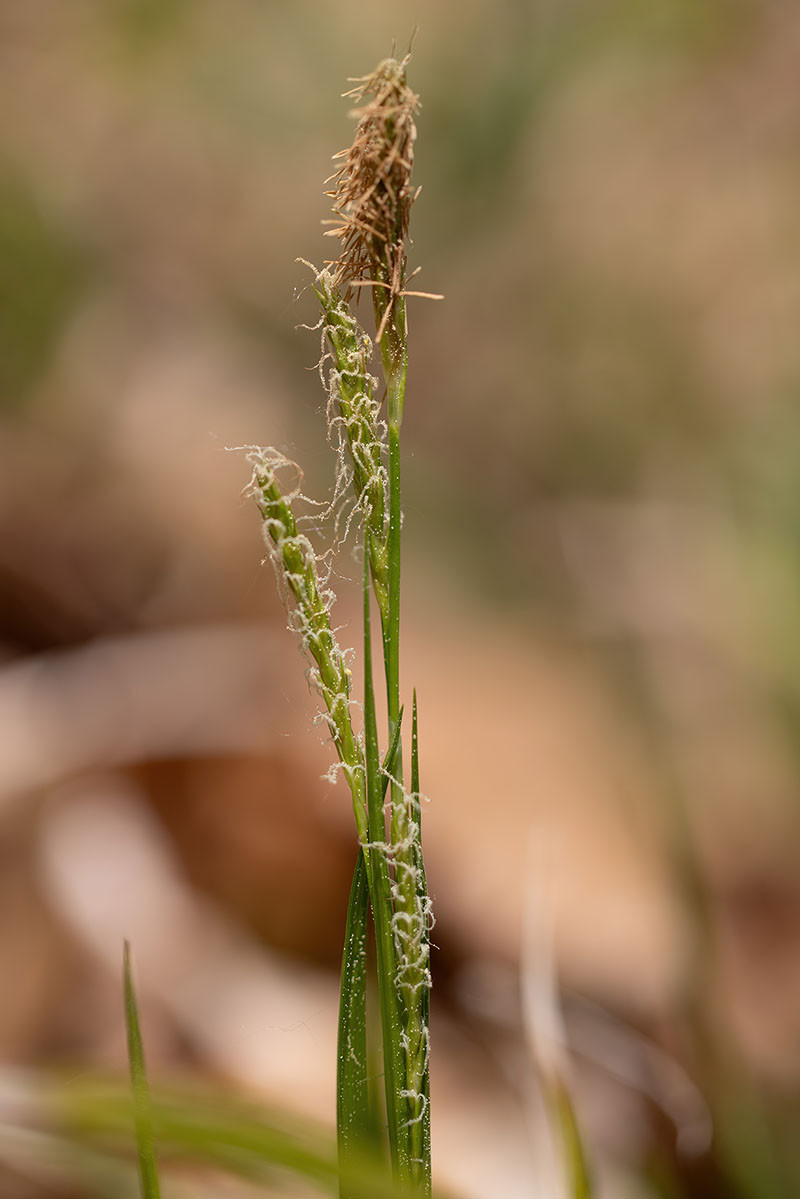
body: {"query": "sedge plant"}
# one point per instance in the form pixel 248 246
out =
pixel 372 195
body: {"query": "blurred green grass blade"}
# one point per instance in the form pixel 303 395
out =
pixel 214 1129
pixel 580 1183
pixel 41 1158
pixel 380 892
pixel 353 1117
pixel 142 1116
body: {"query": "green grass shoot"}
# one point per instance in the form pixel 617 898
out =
pixel 142 1109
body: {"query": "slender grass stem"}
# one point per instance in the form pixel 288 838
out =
pixel 380 893
pixel 410 908
pixel 391 639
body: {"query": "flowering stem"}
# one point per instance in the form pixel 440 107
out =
pixel 372 196
pixel 380 895
pixel 410 910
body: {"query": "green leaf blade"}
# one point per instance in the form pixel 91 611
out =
pixel 142 1113
pixel 353 1116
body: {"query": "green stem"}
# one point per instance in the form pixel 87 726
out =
pixel 380 895
pixel 391 635
pixel 410 915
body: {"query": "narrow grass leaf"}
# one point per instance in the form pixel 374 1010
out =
pixel 142 1116
pixel 353 1117
pixel 215 1129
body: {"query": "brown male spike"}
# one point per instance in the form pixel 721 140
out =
pixel 372 193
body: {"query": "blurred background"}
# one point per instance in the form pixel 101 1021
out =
pixel 602 570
